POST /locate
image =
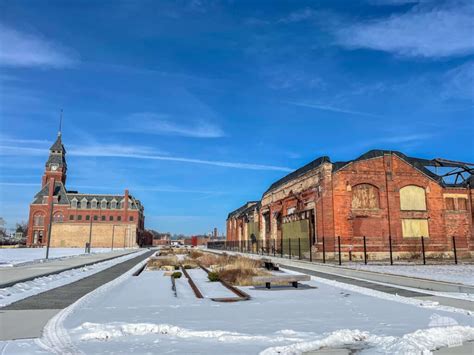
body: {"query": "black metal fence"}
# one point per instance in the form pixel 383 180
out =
pixel 337 250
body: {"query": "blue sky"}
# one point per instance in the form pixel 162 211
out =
pixel 198 106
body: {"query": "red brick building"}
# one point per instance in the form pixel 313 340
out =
pixel 77 218
pixel 385 196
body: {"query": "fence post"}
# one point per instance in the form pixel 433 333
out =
pixel 274 248
pixel 455 253
pixel 324 252
pixel 299 248
pixel 339 245
pixel 365 252
pixel 281 246
pixel 257 250
pixel 390 246
pixel 310 250
pixel 289 247
pixel 423 249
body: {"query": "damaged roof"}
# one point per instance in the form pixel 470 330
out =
pixel 418 163
pixel 299 172
pixel 244 209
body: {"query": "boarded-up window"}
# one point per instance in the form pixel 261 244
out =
pixel 462 206
pixel 412 198
pixel 252 228
pixel 365 196
pixel 450 204
pixel 415 228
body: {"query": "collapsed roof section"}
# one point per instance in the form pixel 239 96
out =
pixel 459 174
pixel 249 206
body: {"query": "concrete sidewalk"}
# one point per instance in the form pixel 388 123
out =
pixel 26 318
pixel 375 281
pixel 12 275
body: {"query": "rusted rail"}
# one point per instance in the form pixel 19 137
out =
pixel 242 296
pixel 196 290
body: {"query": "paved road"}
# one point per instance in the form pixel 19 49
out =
pixel 26 318
pixel 12 275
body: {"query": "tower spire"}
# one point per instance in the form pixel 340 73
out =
pixel 60 123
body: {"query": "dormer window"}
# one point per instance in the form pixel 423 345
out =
pixel 113 204
pixel 103 204
pixel 74 203
pixel 122 204
pixel 94 203
pixel 84 203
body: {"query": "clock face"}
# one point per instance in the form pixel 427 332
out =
pixel 54 167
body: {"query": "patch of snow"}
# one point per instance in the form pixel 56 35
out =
pixel 23 290
pixel 209 289
pixel 461 273
pixel 10 257
pixel 422 341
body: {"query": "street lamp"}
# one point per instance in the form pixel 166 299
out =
pixel 51 206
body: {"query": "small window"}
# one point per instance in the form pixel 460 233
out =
pixel 111 218
pixel 58 217
pixel 71 217
pixel 130 218
pixel 450 203
pixel 88 217
pixel 462 205
pixel 79 218
pixel 119 218
pixel 38 220
pixel 96 218
pixel 103 218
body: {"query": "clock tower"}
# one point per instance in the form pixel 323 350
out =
pixel 56 166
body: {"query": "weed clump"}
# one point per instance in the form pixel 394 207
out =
pixel 213 276
pixel 176 275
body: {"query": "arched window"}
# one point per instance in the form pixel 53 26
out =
pixel 103 204
pixel 74 203
pixel 38 220
pixel 122 203
pixel 58 217
pixel 412 198
pixel 94 203
pixel 365 197
pixel 113 204
pixel 84 203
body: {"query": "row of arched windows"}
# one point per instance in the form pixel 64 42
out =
pixel 366 196
pixel 94 204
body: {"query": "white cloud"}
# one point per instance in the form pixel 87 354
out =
pixel 334 109
pixel 298 15
pixel 459 82
pixel 424 31
pixel 19 49
pixel 131 152
pixel 155 123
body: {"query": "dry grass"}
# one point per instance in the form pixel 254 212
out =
pixel 236 270
pixel 155 263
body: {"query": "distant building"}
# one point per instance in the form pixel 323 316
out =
pixel 105 219
pixel 380 194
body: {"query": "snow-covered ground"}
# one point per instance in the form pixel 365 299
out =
pixel 209 289
pixel 23 290
pixel 15 256
pixel 141 315
pixel 462 273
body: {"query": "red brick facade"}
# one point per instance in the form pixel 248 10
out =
pixel 72 210
pixel 376 196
